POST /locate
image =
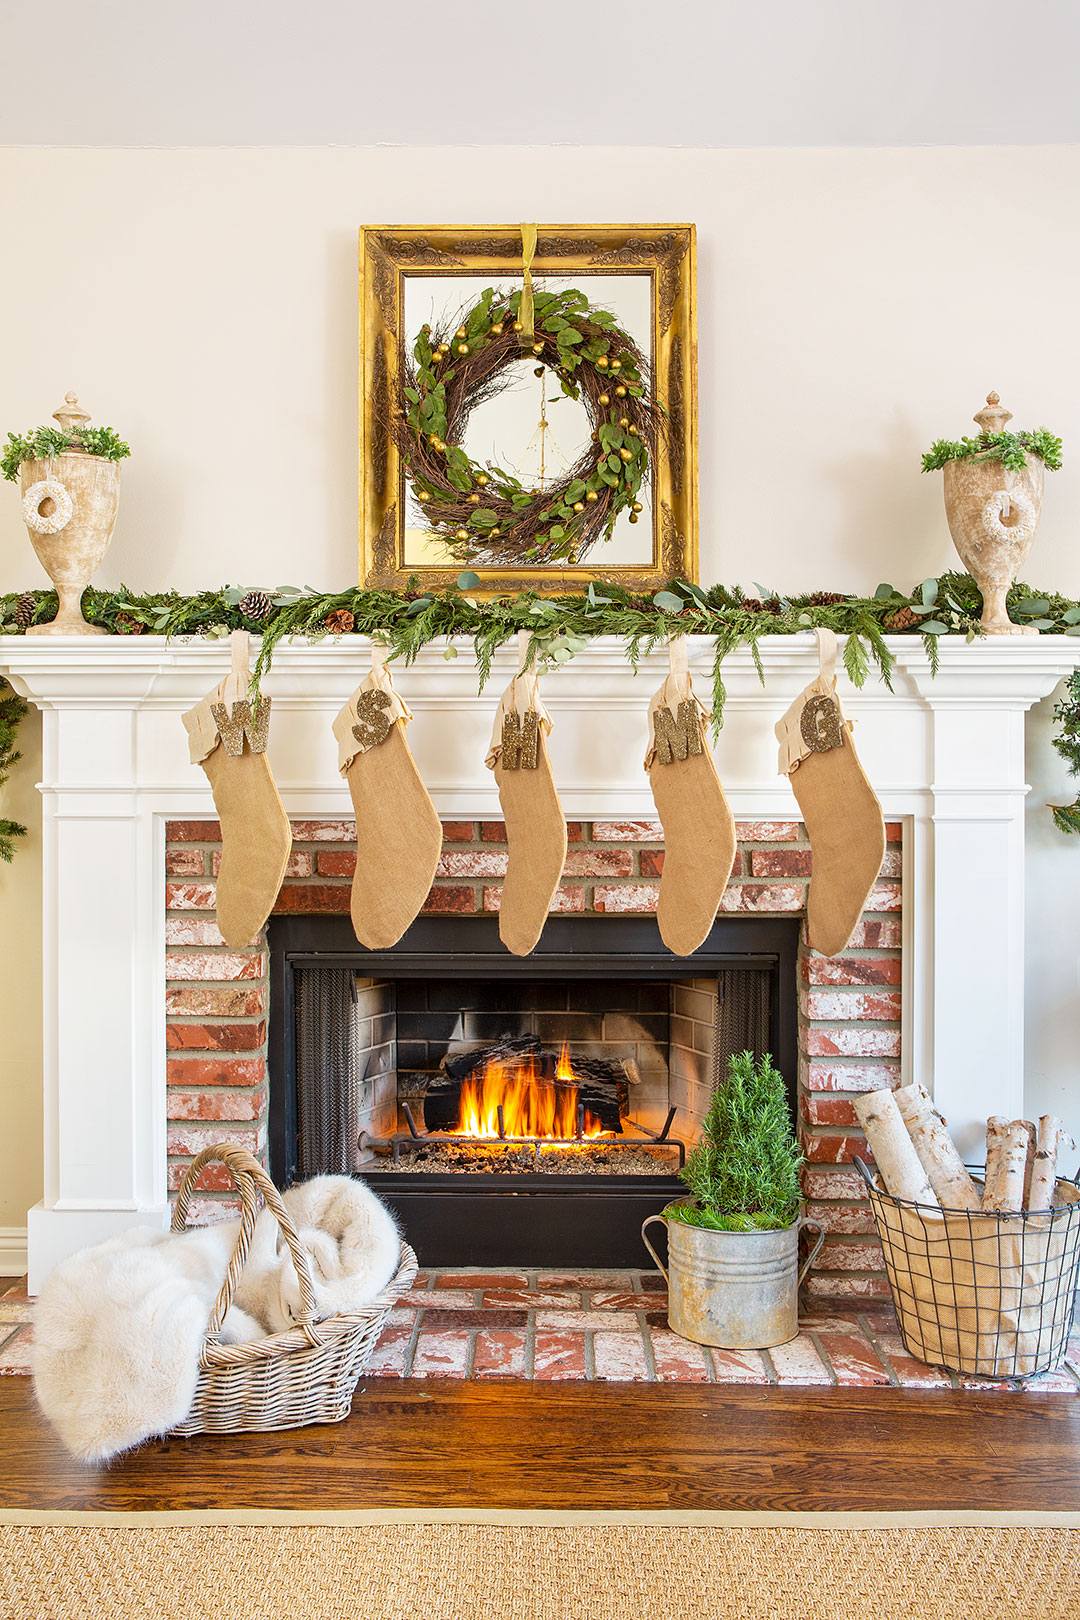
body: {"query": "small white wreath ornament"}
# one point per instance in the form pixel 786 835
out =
pixel 993 515
pixel 47 489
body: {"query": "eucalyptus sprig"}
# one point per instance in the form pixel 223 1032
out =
pixel 45 443
pixel 1011 449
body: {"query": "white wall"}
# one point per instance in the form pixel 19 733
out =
pixel 853 305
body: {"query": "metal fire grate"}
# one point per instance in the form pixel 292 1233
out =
pixel 412 1140
pixel 327 1084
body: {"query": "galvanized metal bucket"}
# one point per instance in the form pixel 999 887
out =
pixel 735 1290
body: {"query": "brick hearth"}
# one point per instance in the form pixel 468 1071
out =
pixel 849 1006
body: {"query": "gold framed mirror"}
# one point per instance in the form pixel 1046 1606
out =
pixel 528 406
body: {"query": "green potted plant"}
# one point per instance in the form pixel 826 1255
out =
pixel 733 1248
pixel 70 479
pixel 993 500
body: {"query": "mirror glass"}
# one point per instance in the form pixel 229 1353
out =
pixel 531 427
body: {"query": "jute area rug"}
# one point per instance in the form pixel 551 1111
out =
pixel 600 1566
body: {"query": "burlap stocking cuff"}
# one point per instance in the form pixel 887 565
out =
pixel 366 719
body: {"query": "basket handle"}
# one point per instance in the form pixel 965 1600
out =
pixel 861 1167
pixel 648 1245
pixel 250 1180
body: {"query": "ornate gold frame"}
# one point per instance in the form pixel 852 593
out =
pixel 667 253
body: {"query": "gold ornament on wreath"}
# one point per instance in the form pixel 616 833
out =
pixel 483 514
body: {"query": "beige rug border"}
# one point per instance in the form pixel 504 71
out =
pixel 542 1518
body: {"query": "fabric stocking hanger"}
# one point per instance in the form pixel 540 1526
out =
pixel 227 736
pixel 398 832
pixel 843 817
pixel 699 830
pixel 535 825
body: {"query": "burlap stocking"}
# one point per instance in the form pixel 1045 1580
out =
pixel 227 735
pixel 398 832
pixel 699 830
pixel 535 825
pixel 844 821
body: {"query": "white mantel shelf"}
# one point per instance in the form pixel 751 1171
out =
pixel 945 753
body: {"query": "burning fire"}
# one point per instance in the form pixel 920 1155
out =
pixel 532 1105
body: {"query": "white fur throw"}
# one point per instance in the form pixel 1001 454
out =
pixel 118 1327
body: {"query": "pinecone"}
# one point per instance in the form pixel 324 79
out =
pixel 127 626
pixel 773 604
pixel 901 618
pixel 750 604
pixel 24 610
pixel 256 605
pixel 826 598
pixel 340 622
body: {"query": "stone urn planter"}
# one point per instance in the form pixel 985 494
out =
pixel 70 554
pixel 993 513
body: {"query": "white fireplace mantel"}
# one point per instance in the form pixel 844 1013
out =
pixel 945 753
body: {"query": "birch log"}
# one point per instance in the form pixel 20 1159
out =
pixel 937 1153
pixel 1044 1170
pixel 1006 1191
pixel 995 1125
pixel 892 1147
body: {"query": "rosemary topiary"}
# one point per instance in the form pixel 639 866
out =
pixel 744 1172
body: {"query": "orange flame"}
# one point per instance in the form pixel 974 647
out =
pixel 532 1104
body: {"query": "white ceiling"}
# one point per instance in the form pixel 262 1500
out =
pixel 623 73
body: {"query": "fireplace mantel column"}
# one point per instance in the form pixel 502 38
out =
pixel 978 701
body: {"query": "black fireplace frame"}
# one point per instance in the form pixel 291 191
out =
pixel 519 1219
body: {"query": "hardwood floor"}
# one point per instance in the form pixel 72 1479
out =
pixel 423 1443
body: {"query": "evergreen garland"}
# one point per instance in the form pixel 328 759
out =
pixel 744 1172
pixel 1067 713
pixel 561 626
pixel 12 709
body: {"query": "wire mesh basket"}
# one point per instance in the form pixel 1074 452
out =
pixel 980 1292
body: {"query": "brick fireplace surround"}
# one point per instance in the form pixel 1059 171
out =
pixel 849 1006
pixel 127 826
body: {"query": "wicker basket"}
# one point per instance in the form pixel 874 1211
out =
pixel 989 1294
pixel 306 1375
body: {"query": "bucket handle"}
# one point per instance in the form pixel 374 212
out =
pixel 649 1246
pixel 815 1251
pixel 804 1222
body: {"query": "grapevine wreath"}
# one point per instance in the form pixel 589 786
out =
pixel 484 514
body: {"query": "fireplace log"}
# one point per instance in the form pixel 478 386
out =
pixel 603 1085
pixel 937 1154
pixel 1006 1192
pixel 1044 1169
pixel 995 1127
pixel 889 1142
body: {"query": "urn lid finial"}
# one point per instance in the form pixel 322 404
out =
pixel 71 414
pixel 993 417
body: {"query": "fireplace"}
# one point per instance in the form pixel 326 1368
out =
pixel 155 1033
pixel 516 1112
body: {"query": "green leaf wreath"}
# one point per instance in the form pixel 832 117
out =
pixel 43 443
pixel 560 626
pixel 484 514
pixel 1011 449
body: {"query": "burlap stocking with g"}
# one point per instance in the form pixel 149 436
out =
pixel 843 817
pixel 535 825
pixel 227 736
pixel 699 830
pixel 398 832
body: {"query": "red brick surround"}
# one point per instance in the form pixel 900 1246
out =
pixel 849 1023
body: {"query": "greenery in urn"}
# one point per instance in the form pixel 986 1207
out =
pixel 744 1172
pixel 1011 449
pixel 43 443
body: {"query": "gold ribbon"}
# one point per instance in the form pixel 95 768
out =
pixel 525 314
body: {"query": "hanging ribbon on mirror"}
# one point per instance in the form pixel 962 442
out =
pixel 525 313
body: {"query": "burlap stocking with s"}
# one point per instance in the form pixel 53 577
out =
pixel 843 817
pixel 699 830
pixel 398 832
pixel 227 736
pixel 535 825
